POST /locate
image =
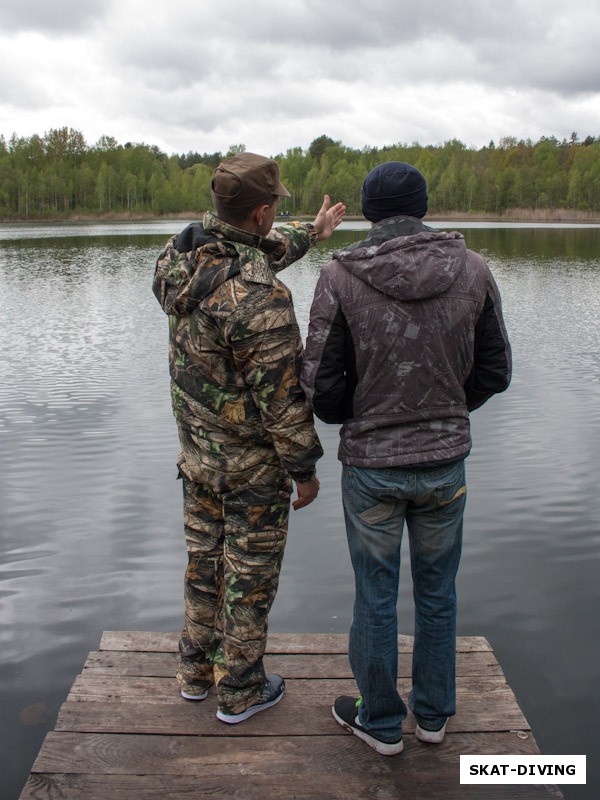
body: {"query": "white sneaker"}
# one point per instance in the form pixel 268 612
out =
pixel 188 696
pixel 431 737
pixel 272 692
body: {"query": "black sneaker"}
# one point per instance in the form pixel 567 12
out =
pixel 271 694
pixel 345 711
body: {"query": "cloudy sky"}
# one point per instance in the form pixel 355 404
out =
pixel 199 75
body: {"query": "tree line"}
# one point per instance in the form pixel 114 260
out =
pixel 58 175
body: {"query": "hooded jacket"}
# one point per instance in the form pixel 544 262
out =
pixel 235 353
pixel 406 337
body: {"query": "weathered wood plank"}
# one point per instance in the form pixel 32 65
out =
pixel 331 665
pixel 276 643
pixel 312 716
pixel 106 754
pixel 97 687
pixel 396 784
pixel 338 643
pixel 123 662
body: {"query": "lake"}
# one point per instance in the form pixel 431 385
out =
pixel 90 511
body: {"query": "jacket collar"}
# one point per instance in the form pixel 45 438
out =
pixel 232 234
pixel 386 229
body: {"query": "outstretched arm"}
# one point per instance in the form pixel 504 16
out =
pixel 295 238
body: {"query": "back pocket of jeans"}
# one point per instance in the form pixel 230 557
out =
pixel 377 514
pixel 449 499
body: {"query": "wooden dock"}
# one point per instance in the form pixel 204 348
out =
pixel 124 731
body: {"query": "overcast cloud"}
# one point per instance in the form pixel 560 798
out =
pixel 197 75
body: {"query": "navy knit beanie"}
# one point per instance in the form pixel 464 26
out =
pixel 394 189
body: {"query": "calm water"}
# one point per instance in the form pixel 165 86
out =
pixel 90 509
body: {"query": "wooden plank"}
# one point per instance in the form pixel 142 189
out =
pixel 93 686
pixel 332 665
pixel 152 641
pixel 312 715
pixel 338 643
pixel 389 786
pixel 117 754
pixel 122 662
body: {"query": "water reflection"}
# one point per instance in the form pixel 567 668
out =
pixel 90 508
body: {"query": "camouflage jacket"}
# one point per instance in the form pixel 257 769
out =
pixel 406 337
pixel 235 353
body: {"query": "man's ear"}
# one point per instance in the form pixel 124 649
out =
pixel 258 214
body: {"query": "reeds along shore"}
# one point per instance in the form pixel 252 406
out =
pixel 537 215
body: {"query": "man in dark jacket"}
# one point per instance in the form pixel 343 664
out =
pixel 406 337
pixel 245 429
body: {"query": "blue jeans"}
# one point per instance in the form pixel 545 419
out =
pixel 376 504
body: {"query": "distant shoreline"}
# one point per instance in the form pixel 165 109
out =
pixel 558 215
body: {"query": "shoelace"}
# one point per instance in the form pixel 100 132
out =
pixel 357 706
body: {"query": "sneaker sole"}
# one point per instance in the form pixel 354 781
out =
pixel 430 737
pixel 187 696
pixel 233 719
pixel 382 748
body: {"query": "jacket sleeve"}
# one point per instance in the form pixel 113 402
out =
pixel 290 243
pixel 492 362
pixel 266 345
pixel 329 374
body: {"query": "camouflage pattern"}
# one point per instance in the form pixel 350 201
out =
pixel 235 544
pixel 244 427
pixel 235 355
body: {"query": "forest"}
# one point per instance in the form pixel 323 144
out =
pixel 58 175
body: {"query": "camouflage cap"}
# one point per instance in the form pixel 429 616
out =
pixel 246 180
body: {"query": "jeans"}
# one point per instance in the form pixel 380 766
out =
pixel 376 504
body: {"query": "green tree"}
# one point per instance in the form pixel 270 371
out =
pixel 53 175
pixel 318 146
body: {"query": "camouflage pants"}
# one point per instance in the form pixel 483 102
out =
pixel 235 541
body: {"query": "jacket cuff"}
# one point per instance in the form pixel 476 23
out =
pixel 303 477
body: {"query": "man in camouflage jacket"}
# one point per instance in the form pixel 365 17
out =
pixel 245 429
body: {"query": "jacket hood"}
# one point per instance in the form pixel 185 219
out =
pixel 405 259
pixel 201 258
